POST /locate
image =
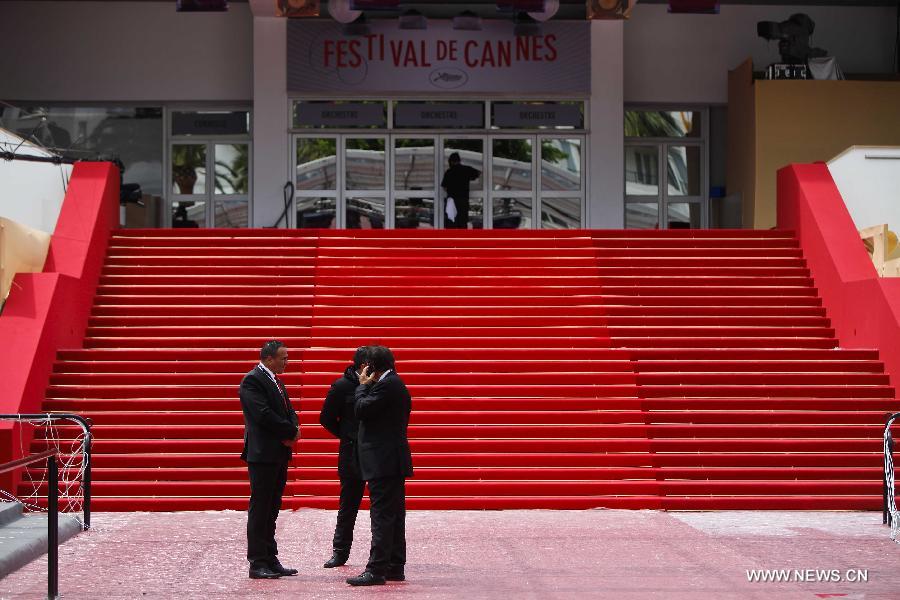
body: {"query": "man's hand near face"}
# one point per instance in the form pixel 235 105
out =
pixel 367 376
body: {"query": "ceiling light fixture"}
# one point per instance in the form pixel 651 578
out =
pixel 413 19
pixel 467 21
pixel 341 12
pixel 546 13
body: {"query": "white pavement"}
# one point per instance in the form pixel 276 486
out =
pixel 472 555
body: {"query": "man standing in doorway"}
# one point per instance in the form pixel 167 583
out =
pixel 270 430
pixel 339 419
pixel 383 405
pixel 456 184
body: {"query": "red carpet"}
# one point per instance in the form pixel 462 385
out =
pixel 663 369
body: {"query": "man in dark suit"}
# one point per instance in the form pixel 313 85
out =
pixel 270 430
pixel 338 418
pixel 382 406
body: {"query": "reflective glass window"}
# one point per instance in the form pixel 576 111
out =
pixel 364 164
pixel 560 164
pixel 662 124
pixel 232 168
pixel 511 164
pixel 316 164
pixel 561 213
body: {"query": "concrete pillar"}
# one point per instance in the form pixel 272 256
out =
pixel 606 165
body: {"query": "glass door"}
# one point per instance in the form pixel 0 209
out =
pixel 340 181
pixel 663 186
pixel 375 181
pixel 512 182
pixel 209 168
pixel 643 194
pixel 561 198
pixel 364 177
pixel 316 182
pixel 665 168
pixel 471 152
pixel 683 197
pixel 413 182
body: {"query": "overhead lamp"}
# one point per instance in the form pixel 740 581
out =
pixel 357 28
pixel 467 21
pixel 549 9
pixel 708 7
pixel 201 5
pixel 413 19
pixel 524 25
pixel 297 8
pixel 341 12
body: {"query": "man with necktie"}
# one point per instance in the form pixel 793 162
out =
pixel 270 430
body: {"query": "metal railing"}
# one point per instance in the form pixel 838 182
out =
pixel 86 451
pixel 889 505
pixel 52 513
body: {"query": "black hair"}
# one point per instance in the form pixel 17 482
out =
pixel 270 349
pixel 361 356
pixel 380 358
pixel 454 157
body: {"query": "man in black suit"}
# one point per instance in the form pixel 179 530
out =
pixel 382 406
pixel 337 417
pixel 270 430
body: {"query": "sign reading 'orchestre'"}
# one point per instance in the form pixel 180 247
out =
pixel 323 60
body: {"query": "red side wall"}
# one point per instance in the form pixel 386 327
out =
pixel 864 308
pixel 48 311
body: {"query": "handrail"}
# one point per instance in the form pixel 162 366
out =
pixel 86 458
pixel 889 505
pixel 52 513
pixel 24 462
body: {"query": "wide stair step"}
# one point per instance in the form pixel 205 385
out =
pixel 689 370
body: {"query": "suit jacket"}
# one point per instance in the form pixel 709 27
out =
pixel 338 418
pixel 266 421
pixel 383 411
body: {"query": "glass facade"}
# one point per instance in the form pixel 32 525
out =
pixel 392 178
pixel 132 135
pixel 665 169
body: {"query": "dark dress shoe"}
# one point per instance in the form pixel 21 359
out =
pixel 366 578
pixel 337 559
pixel 263 573
pixel 282 570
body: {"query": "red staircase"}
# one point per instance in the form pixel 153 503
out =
pixel 627 369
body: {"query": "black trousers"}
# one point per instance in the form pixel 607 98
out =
pixel 388 512
pixel 462 215
pixel 267 481
pixel 351 495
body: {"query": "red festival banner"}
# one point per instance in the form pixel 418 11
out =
pixel 493 60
